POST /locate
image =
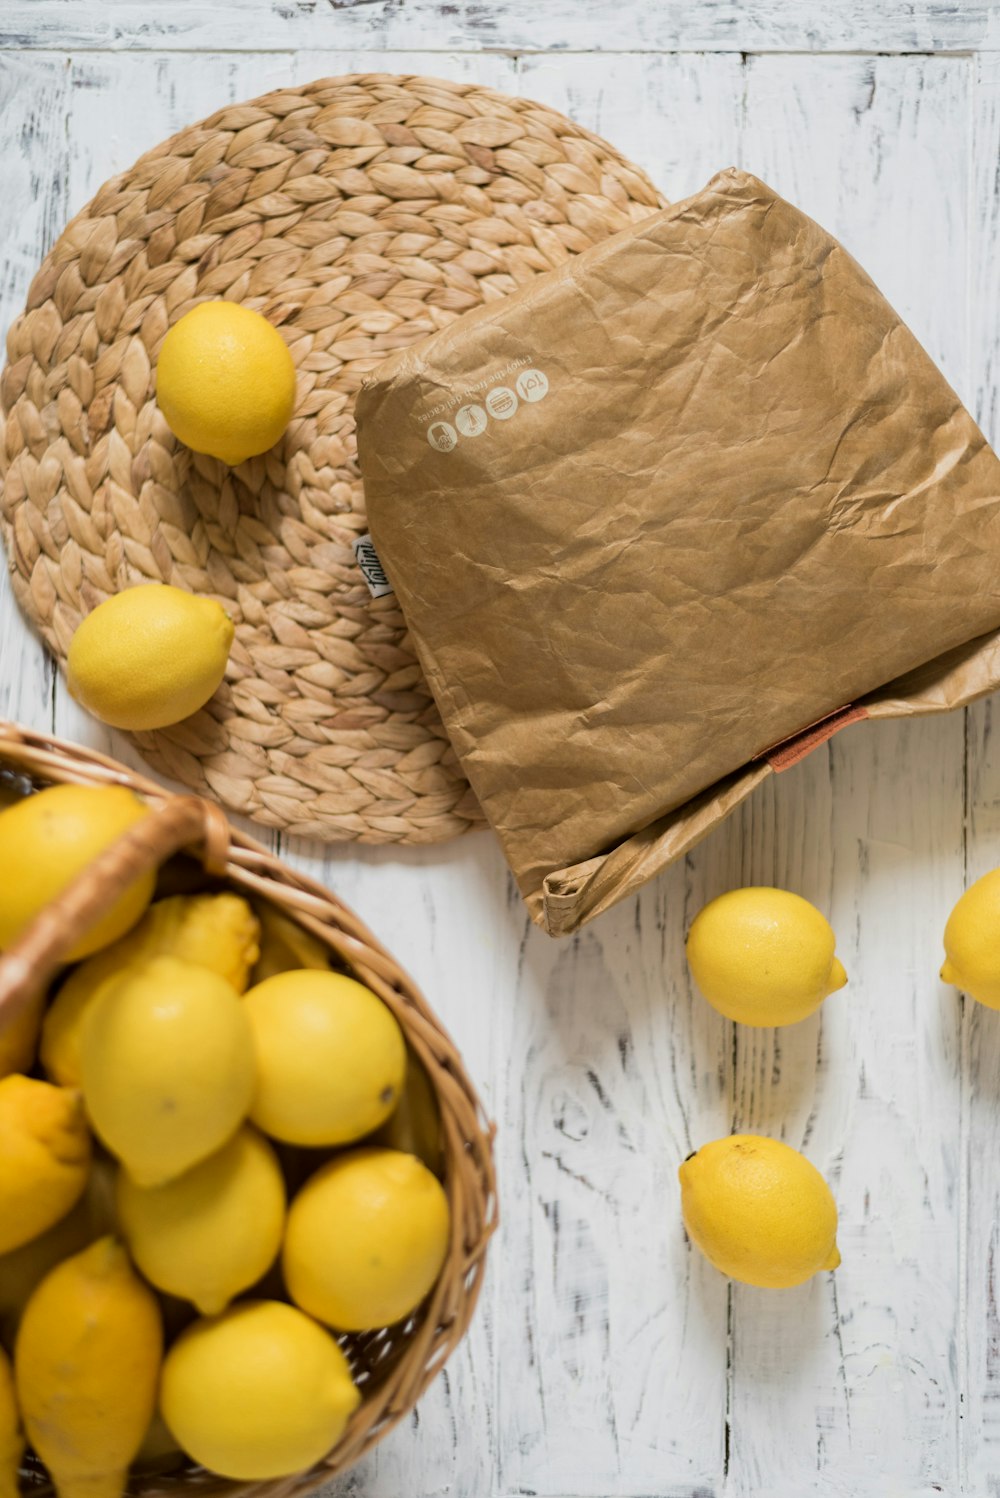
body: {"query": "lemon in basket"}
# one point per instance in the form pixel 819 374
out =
pixel 367 1237
pixel 213 1231
pixel 331 1058
pixel 44 1157
pixel 168 1067
pixel 50 838
pixel 225 381
pixel 86 1368
pixel 763 956
pixel 149 656
pixel 759 1211
pixel 259 1392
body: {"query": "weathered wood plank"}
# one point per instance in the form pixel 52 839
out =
pixel 858 1371
pixel 506 26
pixel 980 1363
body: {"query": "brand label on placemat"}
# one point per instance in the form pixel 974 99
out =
pixel 371 568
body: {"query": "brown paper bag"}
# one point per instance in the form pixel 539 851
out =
pixel 664 520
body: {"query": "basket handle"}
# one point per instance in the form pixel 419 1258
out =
pixel 34 958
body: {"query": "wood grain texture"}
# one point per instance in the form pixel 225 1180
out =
pixel 609 1359
pixel 506 25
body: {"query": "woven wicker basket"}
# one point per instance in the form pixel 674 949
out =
pixel 391 1367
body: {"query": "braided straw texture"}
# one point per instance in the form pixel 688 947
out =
pixel 358 214
pixel 392 1367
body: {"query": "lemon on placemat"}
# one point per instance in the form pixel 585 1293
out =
pixel 225 381
pixel 259 1392
pixel 213 1231
pixel 367 1237
pixel 49 839
pixel 759 1211
pixel 763 956
pixel 149 656
pixel 168 1067
pixel 972 942
pixel 330 1057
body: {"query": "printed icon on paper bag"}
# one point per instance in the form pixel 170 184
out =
pixel 531 385
pixel 371 568
pixel 471 420
pixel 501 403
pixel 443 436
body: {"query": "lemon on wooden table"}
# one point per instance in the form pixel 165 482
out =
pixel 86 1368
pixel 149 656
pixel 759 1211
pixel 213 1231
pixel 331 1058
pixel 972 942
pixel 11 1435
pixel 168 1067
pixel 259 1392
pixel 217 931
pixel 225 381
pixel 367 1237
pixel 763 956
pixel 44 1157
pixel 48 839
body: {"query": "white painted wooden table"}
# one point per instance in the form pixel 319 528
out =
pixel 608 1359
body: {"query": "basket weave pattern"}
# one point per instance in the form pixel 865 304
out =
pixel 391 1367
pixel 358 214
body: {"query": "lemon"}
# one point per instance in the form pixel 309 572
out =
pixel 972 942
pixel 415 1125
pixel 259 1392
pixel 149 656
pixel 759 1211
pixel 44 1157
pixel 225 381
pixel 213 1231
pixel 763 956
pixel 11 1437
pixel 86 1366
pixel 285 946
pixel 48 839
pixel 330 1057
pixel 168 1067
pixel 367 1237
pixel 219 932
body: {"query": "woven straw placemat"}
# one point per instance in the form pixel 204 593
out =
pixel 358 214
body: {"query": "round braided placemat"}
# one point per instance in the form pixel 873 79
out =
pixel 358 214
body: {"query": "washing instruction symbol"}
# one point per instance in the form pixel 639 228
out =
pixel 443 436
pixel 471 420
pixel 531 385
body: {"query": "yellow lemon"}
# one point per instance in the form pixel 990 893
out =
pixel 11 1437
pixel 284 945
pixel 259 1392
pixel 415 1125
pixel 86 1366
pixel 367 1237
pixel 48 839
pixel 763 956
pixel 44 1157
pixel 168 1067
pixel 225 381
pixel 219 932
pixel 759 1211
pixel 330 1057
pixel 149 656
pixel 213 1231
pixel 972 942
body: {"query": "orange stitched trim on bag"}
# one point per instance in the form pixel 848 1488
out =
pixel 790 751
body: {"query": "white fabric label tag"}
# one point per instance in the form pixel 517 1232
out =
pixel 371 568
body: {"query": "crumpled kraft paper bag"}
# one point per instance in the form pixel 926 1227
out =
pixel 664 520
